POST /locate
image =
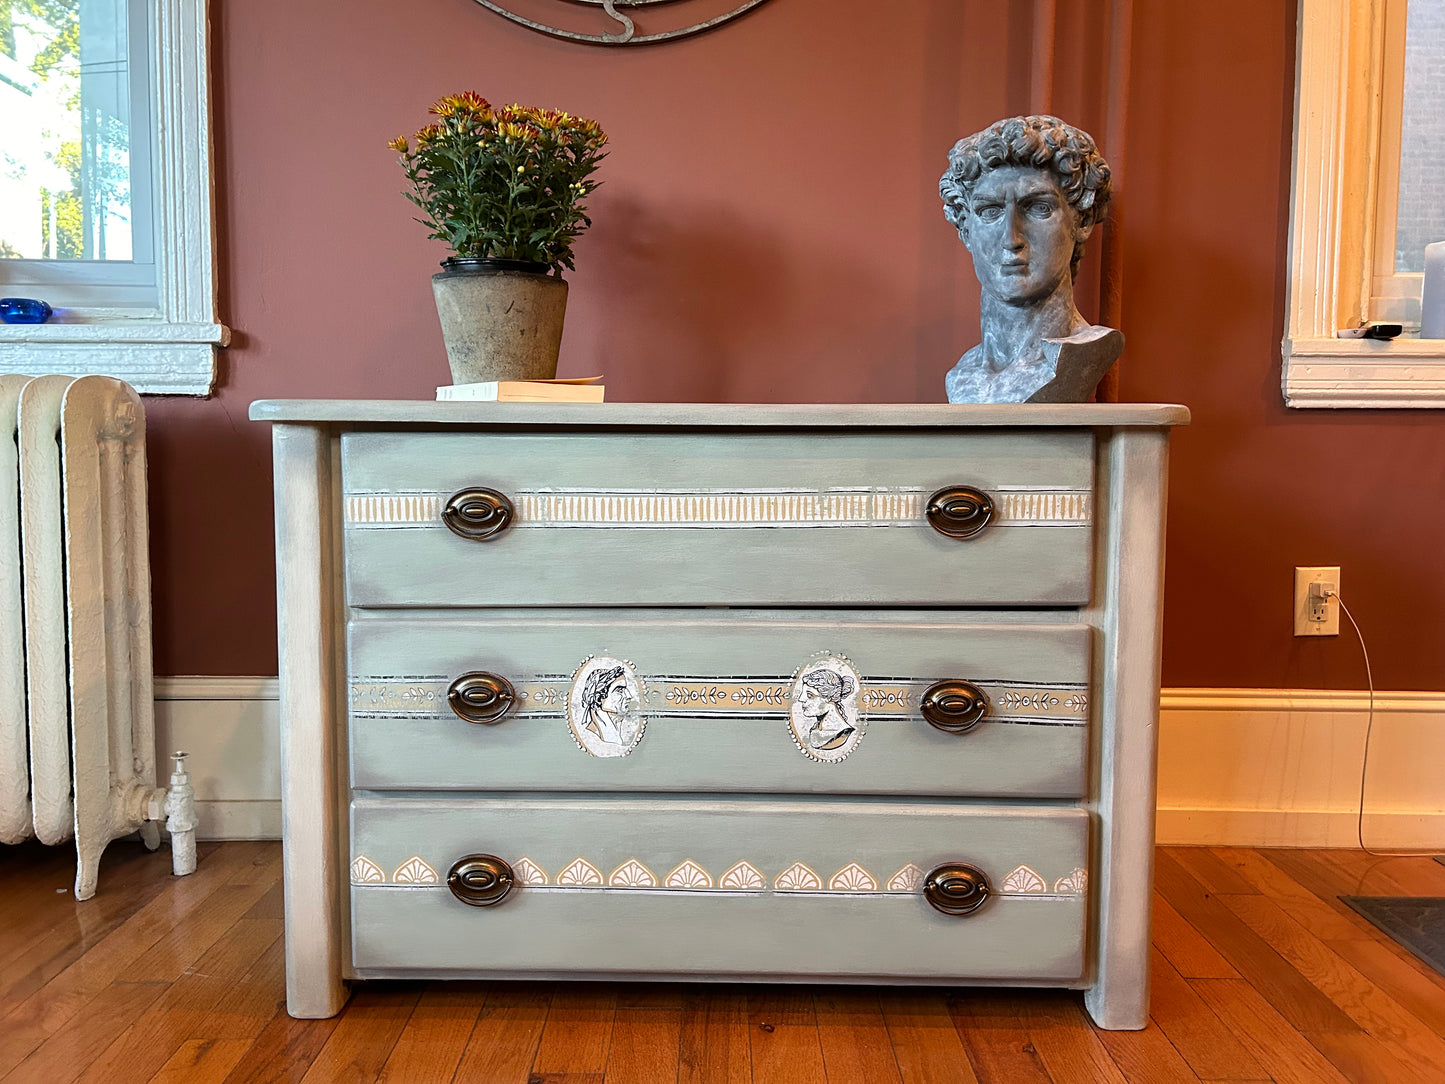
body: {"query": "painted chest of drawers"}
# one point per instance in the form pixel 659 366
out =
pixel 854 694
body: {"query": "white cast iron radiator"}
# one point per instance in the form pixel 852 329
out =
pixel 77 717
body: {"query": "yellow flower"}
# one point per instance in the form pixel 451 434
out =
pixel 398 144
pixel 521 133
pixel 468 103
pixel 427 134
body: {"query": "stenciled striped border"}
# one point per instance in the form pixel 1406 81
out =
pixel 545 696
pixel 1015 506
pixel 742 878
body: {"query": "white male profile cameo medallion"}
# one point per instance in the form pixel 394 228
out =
pixel 604 707
pixel 823 715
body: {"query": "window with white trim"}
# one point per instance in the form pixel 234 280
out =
pixel 1368 147
pixel 105 190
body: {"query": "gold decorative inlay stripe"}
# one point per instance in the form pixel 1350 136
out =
pixel 863 506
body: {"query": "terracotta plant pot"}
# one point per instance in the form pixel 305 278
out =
pixel 501 319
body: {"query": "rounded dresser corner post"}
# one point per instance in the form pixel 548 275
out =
pixel 1132 493
pixel 312 805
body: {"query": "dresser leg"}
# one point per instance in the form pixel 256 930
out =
pixel 312 861
pixel 1132 473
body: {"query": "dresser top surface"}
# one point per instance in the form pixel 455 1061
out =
pixel 419 412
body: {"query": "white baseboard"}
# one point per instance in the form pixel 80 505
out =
pixel 1237 767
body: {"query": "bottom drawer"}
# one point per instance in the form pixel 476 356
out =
pixel 741 887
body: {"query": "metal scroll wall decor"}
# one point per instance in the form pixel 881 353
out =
pixel 613 9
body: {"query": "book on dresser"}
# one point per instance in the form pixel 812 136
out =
pixel 586 389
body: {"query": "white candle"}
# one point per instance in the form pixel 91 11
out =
pixel 1432 296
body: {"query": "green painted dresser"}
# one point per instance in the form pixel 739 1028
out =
pixel 762 693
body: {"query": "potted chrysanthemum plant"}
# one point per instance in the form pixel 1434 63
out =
pixel 504 189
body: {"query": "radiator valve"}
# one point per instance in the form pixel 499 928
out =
pixel 180 811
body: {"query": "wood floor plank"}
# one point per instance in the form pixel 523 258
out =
pixel 284 1050
pixel 1329 919
pixel 143 1048
pixel 926 1041
pixel 645 1046
pixel 202 1061
pixel 506 1035
pixel 990 1024
pixel 1283 1052
pixel 1372 875
pixel 783 1035
pixel 431 1043
pixel 1201 1038
pixel 1147 1057
pixel 1408 982
pixel 59 930
pixel 67 1053
pixel 365 1035
pixel 1363 1059
pixel 854 1036
pixel 1366 1004
pixel 167 915
pixel 1185 947
pixel 1302 1004
pixel 168 958
pixel 1209 870
pixel 42 882
pixel 578 1029
pixel 249 1006
pixel 714 1046
pixel 104 961
pixel 1068 1047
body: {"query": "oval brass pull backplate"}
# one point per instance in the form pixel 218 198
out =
pixel 478 513
pixel 480 697
pixel 955 706
pixel 959 511
pixel 481 880
pixel 956 888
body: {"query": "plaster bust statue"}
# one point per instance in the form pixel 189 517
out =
pixel 1024 195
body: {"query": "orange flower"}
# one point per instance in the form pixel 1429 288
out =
pixel 427 134
pixel 468 102
pixel 398 144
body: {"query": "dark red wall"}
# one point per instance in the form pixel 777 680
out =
pixel 769 230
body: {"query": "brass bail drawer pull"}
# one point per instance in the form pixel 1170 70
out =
pixel 481 880
pixel 478 513
pixel 959 511
pixel 956 888
pixel 480 697
pixel 955 706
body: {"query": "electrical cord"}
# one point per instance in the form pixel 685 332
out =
pixel 1369 728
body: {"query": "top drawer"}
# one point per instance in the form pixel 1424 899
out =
pixel 732 518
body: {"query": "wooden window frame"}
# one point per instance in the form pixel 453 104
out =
pixel 172 349
pixel 1346 149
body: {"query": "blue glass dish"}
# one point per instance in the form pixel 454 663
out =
pixel 24 310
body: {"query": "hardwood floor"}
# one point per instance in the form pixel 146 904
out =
pixel 1260 973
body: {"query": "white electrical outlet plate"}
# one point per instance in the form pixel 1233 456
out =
pixel 1311 618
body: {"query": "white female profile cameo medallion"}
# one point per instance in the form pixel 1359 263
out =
pixel 823 715
pixel 604 707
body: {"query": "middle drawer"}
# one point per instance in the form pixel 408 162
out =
pixel 846 702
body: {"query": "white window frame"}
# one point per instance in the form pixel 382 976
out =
pixel 173 350
pixel 1342 135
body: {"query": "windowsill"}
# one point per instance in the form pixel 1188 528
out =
pixel 156 357
pixel 1341 373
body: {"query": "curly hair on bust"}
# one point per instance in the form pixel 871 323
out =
pixel 829 685
pixel 1040 141
pixel 599 684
